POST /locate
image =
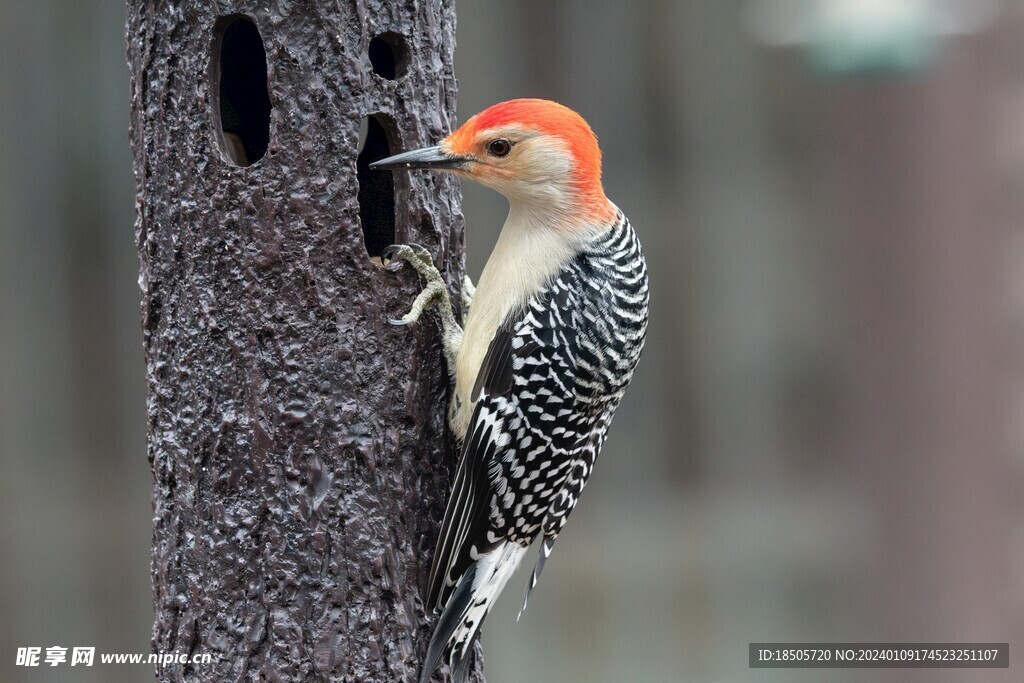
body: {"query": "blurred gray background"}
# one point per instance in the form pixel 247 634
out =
pixel 824 441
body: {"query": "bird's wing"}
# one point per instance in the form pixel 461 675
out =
pixel 463 534
pixel 551 372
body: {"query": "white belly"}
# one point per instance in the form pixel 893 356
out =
pixel 525 258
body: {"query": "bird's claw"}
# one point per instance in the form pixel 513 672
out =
pixel 436 291
pixel 417 256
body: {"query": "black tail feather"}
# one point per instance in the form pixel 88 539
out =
pixel 451 617
pixel 460 664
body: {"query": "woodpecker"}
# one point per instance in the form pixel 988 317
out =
pixel 553 334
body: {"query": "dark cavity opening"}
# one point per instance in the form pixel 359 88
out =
pixel 243 103
pixel 376 188
pixel 389 55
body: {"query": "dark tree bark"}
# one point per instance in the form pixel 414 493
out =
pixel 297 440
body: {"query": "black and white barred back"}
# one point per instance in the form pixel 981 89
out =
pixel 552 378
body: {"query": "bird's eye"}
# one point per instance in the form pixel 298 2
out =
pixel 499 148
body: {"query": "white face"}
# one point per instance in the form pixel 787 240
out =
pixel 526 166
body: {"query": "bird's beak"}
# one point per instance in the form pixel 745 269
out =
pixel 433 158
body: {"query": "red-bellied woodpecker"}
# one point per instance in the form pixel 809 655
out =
pixel 553 333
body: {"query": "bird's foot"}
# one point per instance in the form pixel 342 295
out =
pixel 435 294
pixel 468 292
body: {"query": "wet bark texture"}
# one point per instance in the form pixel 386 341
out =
pixel 296 439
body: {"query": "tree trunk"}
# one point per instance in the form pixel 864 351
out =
pixel 297 440
pixel 923 425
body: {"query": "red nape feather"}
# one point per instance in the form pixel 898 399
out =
pixel 552 119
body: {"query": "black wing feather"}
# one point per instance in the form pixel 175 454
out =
pixel 466 517
pixel 495 376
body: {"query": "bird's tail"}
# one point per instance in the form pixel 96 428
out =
pixel 472 599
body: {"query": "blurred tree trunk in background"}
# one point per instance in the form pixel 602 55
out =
pixel 923 417
pixel 71 401
pixel 295 437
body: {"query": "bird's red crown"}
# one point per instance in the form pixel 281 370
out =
pixel 551 119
